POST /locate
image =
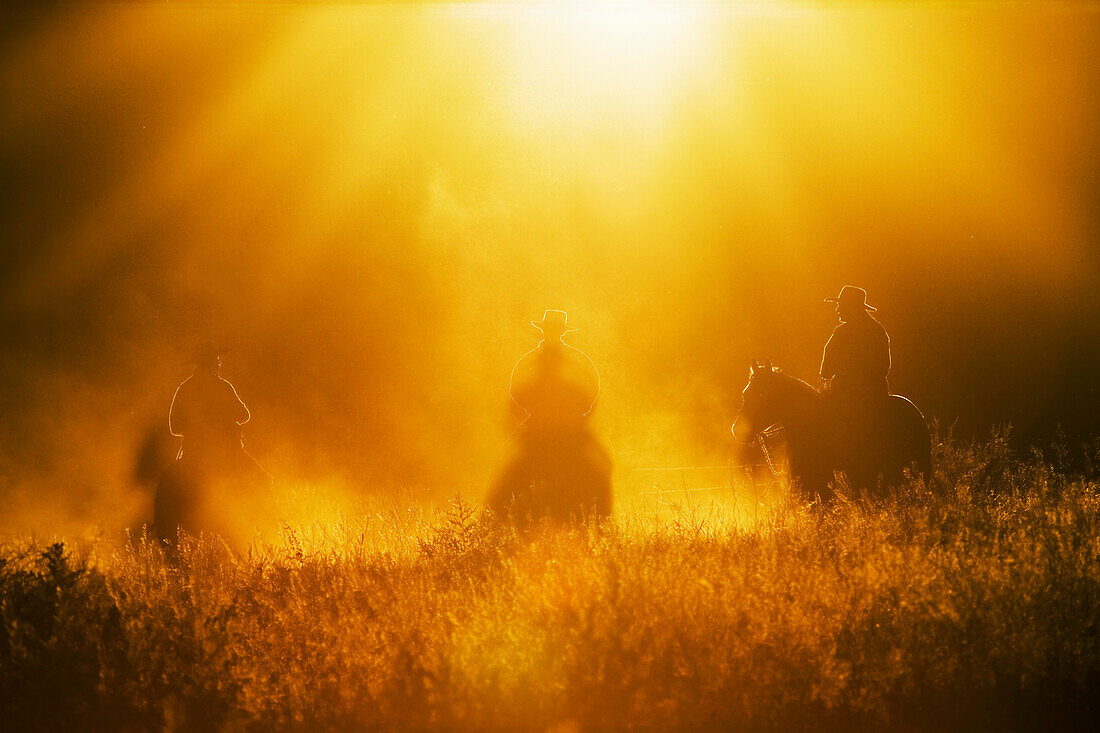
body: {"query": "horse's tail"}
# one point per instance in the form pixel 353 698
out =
pixel 914 438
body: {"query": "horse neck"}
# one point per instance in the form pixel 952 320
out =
pixel 797 405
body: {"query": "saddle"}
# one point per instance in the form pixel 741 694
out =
pixel 858 420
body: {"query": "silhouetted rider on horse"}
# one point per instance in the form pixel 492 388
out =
pixel 213 480
pixel 558 468
pixel 852 425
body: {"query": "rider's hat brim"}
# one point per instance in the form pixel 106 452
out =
pixel 866 306
pixel 541 325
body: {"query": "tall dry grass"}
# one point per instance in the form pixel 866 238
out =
pixel 971 606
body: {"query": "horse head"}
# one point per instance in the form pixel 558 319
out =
pixel 766 400
pixel 756 403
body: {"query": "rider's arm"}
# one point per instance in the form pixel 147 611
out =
pixel 828 360
pixel 177 416
pixel 889 357
pixel 593 377
pixel 243 415
pixel 519 380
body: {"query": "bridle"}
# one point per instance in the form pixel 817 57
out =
pixel 761 439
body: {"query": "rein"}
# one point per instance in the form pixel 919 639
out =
pixel 761 440
pixel 792 385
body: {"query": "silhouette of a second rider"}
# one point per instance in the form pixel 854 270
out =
pixel 558 468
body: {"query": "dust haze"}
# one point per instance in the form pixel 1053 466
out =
pixel 368 204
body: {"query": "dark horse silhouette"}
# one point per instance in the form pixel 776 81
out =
pixel 872 447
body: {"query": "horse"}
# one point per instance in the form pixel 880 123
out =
pixel 871 447
pixel 219 489
pixel 559 474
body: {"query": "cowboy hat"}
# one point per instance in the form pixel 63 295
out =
pixel 204 352
pixel 850 295
pixel 553 322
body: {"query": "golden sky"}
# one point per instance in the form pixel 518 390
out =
pixel 370 202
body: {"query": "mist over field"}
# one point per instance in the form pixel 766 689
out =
pixel 370 203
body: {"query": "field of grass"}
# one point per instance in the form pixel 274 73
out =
pixel 971 606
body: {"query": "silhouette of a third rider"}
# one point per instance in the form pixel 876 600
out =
pixel 853 424
pixel 558 468
pixel 214 484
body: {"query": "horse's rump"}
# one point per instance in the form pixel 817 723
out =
pixel 911 440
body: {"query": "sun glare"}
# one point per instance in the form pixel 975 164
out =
pixel 607 59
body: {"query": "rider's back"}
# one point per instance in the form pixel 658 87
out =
pixel 208 414
pixel 857 357
pixel 555 384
